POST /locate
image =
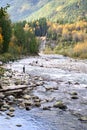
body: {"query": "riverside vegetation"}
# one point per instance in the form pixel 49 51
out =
pixel 22 38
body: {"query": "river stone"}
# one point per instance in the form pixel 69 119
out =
pixel 28 108
pixel 21 105
pixel 60 105
pixel 35 97
pixel 1 103
pixel 0 85
pixel 37 100
pixel 17 82
pixel 11 114
pixel 74 93
pixel 37 104
pixel 11 109
pixel 40 78
pixel 2 95
pixel 20 100
pixel 74 97
pixel 39 83
pixel 3 109
pixel 27 97
pixel 46 108
pixel 76 83
pixel 49 88
pixel 36 78
pixel 19 125
pixel 27 103
pixel 6 106
pixel 83 118
pixel 23 83
pixel 11 98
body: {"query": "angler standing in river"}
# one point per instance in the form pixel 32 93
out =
pixel 24 69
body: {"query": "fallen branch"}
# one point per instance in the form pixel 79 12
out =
pixel 13 89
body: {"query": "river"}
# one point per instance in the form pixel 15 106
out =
pixel 69 76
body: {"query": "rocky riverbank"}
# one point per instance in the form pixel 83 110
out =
pixel 27 91
pixel 23 91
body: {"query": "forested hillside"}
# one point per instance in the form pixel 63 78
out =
pixel 63 10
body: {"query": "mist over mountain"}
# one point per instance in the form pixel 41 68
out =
pixel 51 9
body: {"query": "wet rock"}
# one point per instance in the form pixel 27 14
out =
pixel 76 83
pixel 36 78
pixel 83 118
pixel 21 105
pixel 37 100
pixel 1 103
pixel 40 79
pixel 74 97
pixel 41 66
pixel 60 105
pixel 47 108
pixel 37 104
pixel 6 106
pixel 19 125
pixel 35 97
pixel 23 83
pixel 2 95
pixel 11 98
pixel 17 82
pixel 48 88
pixel 3 109
pixel 11 114
pixel 69 82
pixel 11 102
pixel 27 103
pixel 11 109
pixel 27 97
pixel 27 108
pixel 20 100
pixel 8 118
pixel 33 84
pixel 74 93
pixel 0 85
pixel 39 83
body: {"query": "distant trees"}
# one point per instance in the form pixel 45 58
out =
pixel 70 33
pixel 5 25
pixel 40 26
pixel 25 38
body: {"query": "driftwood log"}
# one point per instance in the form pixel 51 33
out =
pixel 14 89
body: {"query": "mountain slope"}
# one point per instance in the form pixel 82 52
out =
pixel 20 9
pixel 64 10
pixel 52 9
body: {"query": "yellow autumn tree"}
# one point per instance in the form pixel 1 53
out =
pixel 80 50
pixel 1 41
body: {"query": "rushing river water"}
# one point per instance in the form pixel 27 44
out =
pixel 69 76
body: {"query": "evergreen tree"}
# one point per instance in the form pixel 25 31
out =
pixel 5 24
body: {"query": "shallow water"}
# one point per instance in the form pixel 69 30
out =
pixel 57 71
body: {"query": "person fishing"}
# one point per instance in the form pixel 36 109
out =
pixel 24 69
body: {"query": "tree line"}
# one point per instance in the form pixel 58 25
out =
pixel 21 38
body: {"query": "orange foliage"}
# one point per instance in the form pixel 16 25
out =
pixel 70 33
pixel 1 42
pixel 80 48
pixel 78 36
pixel 1 38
